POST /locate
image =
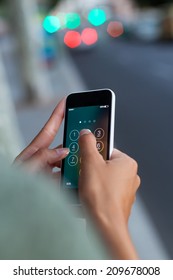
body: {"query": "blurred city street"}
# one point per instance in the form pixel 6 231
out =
pixel 140 73
pixel 141 76
pixel 131 129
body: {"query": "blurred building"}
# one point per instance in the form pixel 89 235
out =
pixel 124 8
pixel 168 23
pixel 78 5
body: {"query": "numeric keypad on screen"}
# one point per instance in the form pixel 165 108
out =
pixel 73 157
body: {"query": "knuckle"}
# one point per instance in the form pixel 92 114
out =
pixel 41 152
pixel 133 164
pixel 50 132
pixel 138 181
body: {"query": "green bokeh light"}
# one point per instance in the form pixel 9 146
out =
pixel 72 20
pixel 51 24
pixel 62 19
pixel 97 17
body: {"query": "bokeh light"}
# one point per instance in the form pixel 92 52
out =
pixel 62 19
pixel 115 29
pixel 89 36
pixel 51 24
pixel 72 20
pixel 72 39
pixel 97 17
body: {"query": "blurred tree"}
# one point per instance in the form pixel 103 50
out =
pixel 153 3
pixel 27 29
pixel 10 137
pixel 48 3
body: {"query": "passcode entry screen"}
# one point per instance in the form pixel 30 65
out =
pixel 95 118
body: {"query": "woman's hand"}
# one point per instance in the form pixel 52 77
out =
pixel 37 156
pixel 108 190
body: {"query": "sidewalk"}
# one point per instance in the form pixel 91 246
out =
pixel 65 78
pixel 10 137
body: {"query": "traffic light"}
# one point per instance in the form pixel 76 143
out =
pixel 72 39
pixel 72 20
pixel 115 29
pixel 97 17
pixel 51 24
pixel 89 36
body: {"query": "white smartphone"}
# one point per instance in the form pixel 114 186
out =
pixel 93 110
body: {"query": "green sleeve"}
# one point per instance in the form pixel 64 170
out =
pixel 35 223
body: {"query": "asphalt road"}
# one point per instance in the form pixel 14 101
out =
pixel 141 75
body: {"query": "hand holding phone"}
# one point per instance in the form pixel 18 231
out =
pixel 93 110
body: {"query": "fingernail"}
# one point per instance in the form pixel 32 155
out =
pixel 84 131
pixel 62 151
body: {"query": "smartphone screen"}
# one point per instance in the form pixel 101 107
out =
pixel 87 110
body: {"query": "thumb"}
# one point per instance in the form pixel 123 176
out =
pixel 87 143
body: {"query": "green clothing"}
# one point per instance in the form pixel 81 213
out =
pixel 35 223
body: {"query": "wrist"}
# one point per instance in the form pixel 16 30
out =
pixel 113 217
pixel 114 230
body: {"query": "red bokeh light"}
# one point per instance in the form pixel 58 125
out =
pixel 89 36
pixel 115 29
pixel 72 39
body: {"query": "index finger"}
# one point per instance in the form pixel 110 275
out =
pixel 47 133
